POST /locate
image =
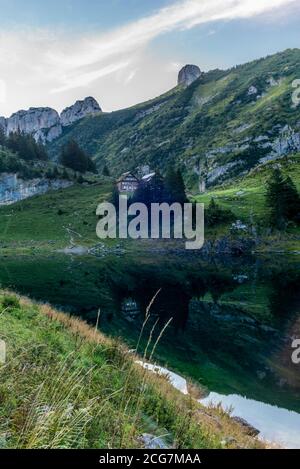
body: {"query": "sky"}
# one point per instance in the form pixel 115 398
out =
pixel 123 52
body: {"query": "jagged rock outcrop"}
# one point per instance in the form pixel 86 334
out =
pixel 188 74
pixel 44 123
pixel 89 106
pixel 13 188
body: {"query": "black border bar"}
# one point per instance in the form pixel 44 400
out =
pixel 143 458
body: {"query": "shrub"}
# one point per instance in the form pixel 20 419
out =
pixel 216 215
pixel 10 302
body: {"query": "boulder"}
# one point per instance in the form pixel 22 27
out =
pixel 250 430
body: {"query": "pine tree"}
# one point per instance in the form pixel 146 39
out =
pixel 41 152
pixel 65 174
pixel 181 194
pixel 174 186
pixel 80 179
pixel 55 172
pixel 282 200
pixel 105 171
pixel 91 165
pixel 215 215
pixel 115 197
pixel 73 157
pixel 26 146
pixel 292 201
pixel 2 137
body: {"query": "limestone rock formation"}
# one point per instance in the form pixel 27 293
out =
pixel 42 123
pixel 13 188
pixel 89 106
pixel 188 74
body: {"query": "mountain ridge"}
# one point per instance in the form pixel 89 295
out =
pixel 213 126
pixel 45 123
pixel 222 125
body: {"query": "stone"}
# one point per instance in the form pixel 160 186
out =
pixel 188 74
pixel 88 107
pixel 153 442
pixel 252 91
pixel 250 430
pixel 239 226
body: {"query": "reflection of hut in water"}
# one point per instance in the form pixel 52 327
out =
pixel 130 309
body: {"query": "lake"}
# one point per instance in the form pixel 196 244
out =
pixel 230 329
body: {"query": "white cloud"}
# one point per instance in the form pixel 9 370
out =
pixel 47 63
pixel 86 78
pixel 182 15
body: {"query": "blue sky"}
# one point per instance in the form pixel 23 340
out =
pixel 126 51
pixel 82 15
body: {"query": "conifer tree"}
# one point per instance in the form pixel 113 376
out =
pixel 282 200
pixel 105 171
pixel 2 137
pixel 174 186
pixel 72 156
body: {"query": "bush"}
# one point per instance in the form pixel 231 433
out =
pixel 216 215
pixel 10 302
pixel 73 157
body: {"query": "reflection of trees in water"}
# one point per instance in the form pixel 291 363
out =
pixel 285 294
pixel 207 333
pixel 176 291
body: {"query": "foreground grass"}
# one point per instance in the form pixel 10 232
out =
pixel 65 385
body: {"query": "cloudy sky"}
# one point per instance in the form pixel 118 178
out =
pixel 126 51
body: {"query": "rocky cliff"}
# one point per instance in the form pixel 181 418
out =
pixel 89 106
pixel 42 123
pixel 188 74
pixel 13 188
pixel 45 123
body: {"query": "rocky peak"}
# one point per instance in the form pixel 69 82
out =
pixel 45 123
pixel 188 74
pixel 36 121
pixel 89 106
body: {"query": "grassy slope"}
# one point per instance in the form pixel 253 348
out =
pixel 44 221
pixel 246 198
pixel 64 385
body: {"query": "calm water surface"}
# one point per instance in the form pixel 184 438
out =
pixel 232 323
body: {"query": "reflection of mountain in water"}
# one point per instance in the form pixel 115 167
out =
pixel 231 323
